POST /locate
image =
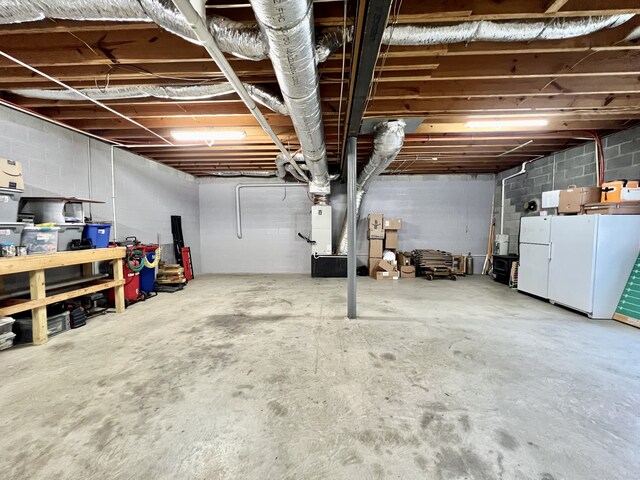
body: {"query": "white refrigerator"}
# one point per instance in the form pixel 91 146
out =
pixel 533 271
pixel 588 259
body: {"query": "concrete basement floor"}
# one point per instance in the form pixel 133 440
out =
pixel 261 377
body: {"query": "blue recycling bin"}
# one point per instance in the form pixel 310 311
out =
pixel 148 275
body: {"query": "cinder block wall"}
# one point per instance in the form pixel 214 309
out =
pixel 449 212
pixel 60 162
pixel 575 166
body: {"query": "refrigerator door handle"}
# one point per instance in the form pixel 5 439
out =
pixel 550 249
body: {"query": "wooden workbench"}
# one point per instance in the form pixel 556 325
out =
pixel 35 265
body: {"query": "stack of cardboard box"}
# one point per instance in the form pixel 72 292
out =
pixel 405 265
pixel 383 236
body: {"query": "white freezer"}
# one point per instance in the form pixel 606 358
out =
pixel 535 229
pixel 533 271
pixel 585 263
pixel 572 263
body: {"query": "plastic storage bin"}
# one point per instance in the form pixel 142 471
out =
pixel 9 203
pixel 40 239
pixel 55 324
pixel 11 232
pixel 68 232
pixel 6 340
pixel 98 233
pixel 6 325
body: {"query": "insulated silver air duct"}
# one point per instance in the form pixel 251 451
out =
pixel 489 31
pixel 244 41
pixel 387 143
pixel 161 12
pixel 248 173
pixel 284 166
pixel 239 39
pixel 288 26
pixel 330 39
pixel 188 92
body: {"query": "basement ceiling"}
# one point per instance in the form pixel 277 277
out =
pixel 585 84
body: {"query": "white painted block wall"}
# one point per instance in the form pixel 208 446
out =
pixel 449 212
pixel 57 161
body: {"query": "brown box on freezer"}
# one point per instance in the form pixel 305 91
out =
pixel 622 208
pixel 573 199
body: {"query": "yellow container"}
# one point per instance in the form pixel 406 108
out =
pixel 611 190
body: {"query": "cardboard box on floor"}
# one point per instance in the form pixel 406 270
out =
pixel 392 223
pixel 375 248
pixel 386 271
pixel 391 239
pixel 373 266
pixel 386 266
pixel 387 275
pixel 408 271
pixel 573 199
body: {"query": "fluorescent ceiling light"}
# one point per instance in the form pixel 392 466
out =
pixel 208 136
pixel 498 124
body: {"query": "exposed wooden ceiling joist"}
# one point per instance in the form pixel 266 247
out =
pixel 584 83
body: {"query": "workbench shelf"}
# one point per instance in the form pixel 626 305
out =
pixel 35 265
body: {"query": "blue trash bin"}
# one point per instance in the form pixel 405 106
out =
pixel 148 275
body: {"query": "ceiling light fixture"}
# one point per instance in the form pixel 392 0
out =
pixel 207 136
pixel 500 124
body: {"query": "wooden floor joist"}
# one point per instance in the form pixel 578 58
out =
pixel 583 83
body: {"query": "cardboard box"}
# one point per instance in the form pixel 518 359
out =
pixel 387 275
pixel 612 191
pixel 408 271
pixel 574 198
pixel 376 233
pixel 11 174
pixel 392 223
pixel 404 258
pixel 375 221
pixel 608 208
pixel 373 266
pixel 386 266
pixel 375 248
pixel 391 239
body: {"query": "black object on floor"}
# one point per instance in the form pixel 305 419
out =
pixel 502 267
pixel 363 271
pixel 168 288
pixel 77 317
pixel 329 266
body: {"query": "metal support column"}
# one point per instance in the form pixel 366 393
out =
pixel 352 167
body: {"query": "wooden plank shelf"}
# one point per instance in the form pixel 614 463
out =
pixel 29 263
pixel 35 265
